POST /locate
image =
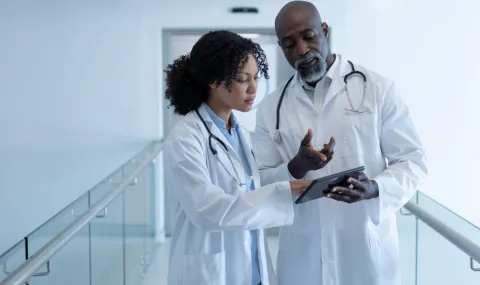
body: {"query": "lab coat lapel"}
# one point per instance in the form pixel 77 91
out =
pixel 337 72
pixel 247 148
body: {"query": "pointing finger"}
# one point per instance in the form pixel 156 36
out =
pixel 308 138
pixel 330 145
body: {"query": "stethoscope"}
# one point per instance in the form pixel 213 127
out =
pixel 359 110
pixel 215 153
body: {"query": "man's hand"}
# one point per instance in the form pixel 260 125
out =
pixel 357 187
pixel 328 149
pixel 308 158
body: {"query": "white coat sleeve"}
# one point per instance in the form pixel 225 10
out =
pixel 208 206
pixel 401 146
pixel 270 163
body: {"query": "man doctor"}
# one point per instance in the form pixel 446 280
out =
pixel 349 237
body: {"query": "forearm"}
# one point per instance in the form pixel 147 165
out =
pixel 265 207
pixel 271 175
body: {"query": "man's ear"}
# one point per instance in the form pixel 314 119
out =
pixel 325 29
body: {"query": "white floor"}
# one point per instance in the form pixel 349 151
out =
pixel 157 274
pixel 439 262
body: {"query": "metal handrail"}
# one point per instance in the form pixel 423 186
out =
pixel 469 247
pixel 41 257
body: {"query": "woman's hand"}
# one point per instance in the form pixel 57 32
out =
pixel 299 186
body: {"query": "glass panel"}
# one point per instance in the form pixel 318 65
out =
pixel 12 259
pixel 439 261
pixel 107 236
pixel 137 214
pixel 71 265
pixel 407 224
pixel 151 198
pixel 77 250
pixel 120 237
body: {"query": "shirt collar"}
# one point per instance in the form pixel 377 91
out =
pixel 218 121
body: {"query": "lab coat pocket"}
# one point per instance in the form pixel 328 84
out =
pixel 358 131
pixel 204 269
pixel 354 119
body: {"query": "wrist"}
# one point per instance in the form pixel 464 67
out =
pixel 375 192
pixel 295 169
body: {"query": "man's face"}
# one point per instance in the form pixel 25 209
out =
pixel 303 40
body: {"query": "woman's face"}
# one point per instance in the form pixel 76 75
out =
pixel 244 88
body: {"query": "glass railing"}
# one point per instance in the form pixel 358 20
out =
pixel 113 248
pixel 427 257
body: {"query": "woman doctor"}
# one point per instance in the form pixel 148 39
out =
pixel 210 169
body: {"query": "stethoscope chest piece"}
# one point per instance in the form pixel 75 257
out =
pixel 277 137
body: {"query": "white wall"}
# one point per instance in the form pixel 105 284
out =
pixel 431 49
pixel 215 15
pixel 78 97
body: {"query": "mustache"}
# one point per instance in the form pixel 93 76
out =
pixel 306 58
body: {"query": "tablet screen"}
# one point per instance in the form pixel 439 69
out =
pixel 319 186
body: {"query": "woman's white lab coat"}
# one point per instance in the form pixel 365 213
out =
pixel 330 242
pixel 210 243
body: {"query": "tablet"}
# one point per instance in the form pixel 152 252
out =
pixel 318 187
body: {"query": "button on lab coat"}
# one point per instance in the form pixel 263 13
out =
pixel 210 242
pixel 331 242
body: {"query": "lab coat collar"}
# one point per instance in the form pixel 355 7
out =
pixel 336 73
pixel 202 110
pixel 218 121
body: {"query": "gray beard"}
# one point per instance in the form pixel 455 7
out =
pixel 314 73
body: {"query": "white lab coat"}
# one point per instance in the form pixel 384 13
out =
pixel 331 242
pixel 210 244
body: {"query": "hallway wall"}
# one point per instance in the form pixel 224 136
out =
pixel 78 97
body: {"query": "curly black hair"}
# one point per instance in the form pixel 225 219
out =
pixel 215 57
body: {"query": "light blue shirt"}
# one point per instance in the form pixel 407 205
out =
pixel 234 138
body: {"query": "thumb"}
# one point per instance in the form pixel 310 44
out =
pixel 308 138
